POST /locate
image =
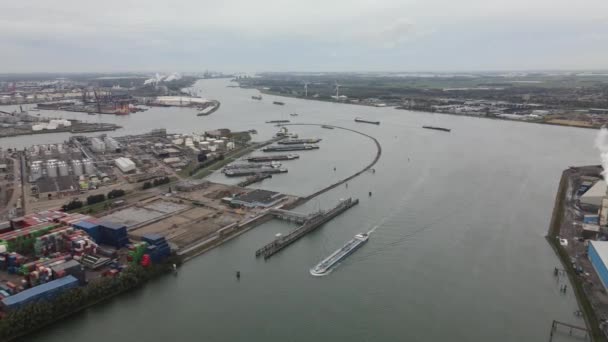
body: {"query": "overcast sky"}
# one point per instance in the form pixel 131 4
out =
pixel 311 35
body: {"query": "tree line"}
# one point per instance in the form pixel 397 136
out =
pixel 93 199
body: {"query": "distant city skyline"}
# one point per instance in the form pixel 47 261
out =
pixel 321 36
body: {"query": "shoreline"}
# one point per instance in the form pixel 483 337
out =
pixel 423 111
pixel 553 233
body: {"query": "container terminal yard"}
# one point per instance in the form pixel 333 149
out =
pixel 93 207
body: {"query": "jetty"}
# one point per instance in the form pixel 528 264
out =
pixel 309 225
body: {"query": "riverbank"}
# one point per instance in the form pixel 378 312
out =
pixel 557 122
pixel 76 128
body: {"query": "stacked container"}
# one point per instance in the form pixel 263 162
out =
pixel 158 248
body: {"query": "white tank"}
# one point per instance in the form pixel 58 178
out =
pixel 35 172
pixel 63 168
pixel 51 169
pixel 77 167
pixel 89 169
pixel 97 145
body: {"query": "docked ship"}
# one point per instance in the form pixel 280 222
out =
pixel 278 103
pixel 282 148
pixel 271 164
pixel 367 121
pixel 259 97
pixel 251 172
pixel 324 267
pixel 299 141
pixel 264 159
pixel 437 128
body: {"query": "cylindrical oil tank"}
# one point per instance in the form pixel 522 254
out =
pixel 35 172
pixel 51 169
pixel 63 168
pixel 77 167
pixel 89 169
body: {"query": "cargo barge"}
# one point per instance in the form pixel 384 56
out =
pixel 290 148
pixel 367 121
pixel 299 141
pixel 325 266
pixel 437 128
pixel 262 159
pixel 252 165
pixel 278 103
pixel 277 121
pixel 251 172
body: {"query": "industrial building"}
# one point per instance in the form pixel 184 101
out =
pixel 125 165
pixel 598 255
pixel 258 198
pixel 592 198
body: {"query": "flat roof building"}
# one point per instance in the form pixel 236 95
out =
pixel 258 198
pixel 598 255
pixel 592 198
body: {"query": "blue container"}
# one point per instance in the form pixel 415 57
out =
pixel 91 228
pixel 153 239
pixel 41 292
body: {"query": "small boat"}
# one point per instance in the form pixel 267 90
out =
pixel 367 121
pixel 277 121
pixel 293 114
pixel 91 113
pixel 259 97
pixel 437 128
pixel 278 103
pixel 327 127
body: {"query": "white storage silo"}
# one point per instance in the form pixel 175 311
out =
pixel 51 169
pixel 35 172
pixel 97 145
pixel 77 167
pixel 89 169
pixel 62 167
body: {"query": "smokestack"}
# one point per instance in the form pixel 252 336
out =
pixel 601 143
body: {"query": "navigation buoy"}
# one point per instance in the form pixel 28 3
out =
pixel 238 274
pixel 334 168
pixel 370 194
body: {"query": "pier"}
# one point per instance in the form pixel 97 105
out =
pixel 311 224
pixel 292 216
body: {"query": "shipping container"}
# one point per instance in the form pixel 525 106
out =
pixel 46 291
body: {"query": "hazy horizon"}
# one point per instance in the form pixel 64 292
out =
pixel 314 36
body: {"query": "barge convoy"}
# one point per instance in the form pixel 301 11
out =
pixel 437 128
pixel 325 266
pixel 283 148
pixel 367 121
pixel 264 159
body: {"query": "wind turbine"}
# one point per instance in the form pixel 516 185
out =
pixel 306 89
pixel 337 91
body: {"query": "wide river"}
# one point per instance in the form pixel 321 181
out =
pixel 458 253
